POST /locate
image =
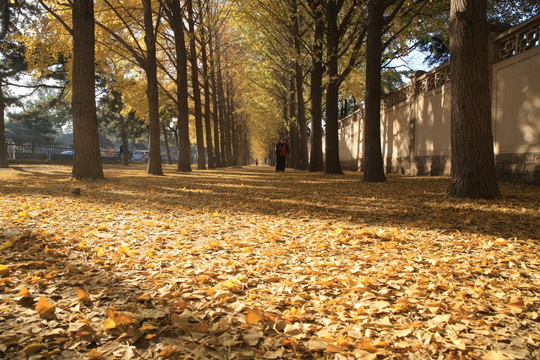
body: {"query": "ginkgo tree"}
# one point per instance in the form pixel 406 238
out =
pixel 123 27
pixel 267 29
pixel 12 63
pixel 80 29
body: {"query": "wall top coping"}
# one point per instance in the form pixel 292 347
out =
pixel 518 39
pixel 518 27
pixel 514 41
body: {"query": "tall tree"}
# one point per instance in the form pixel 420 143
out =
pixel 15 17
pixel 175 18
pixel 196 90
pixel 87 156
pixel 317 71
pixel 345 35
pixel 372 160
pixel 5 24
pixel 206 80
pixel 302 156
pixel 386 21
pixel 124 27
pixel 473 161
pixel 215 107
pixel 154 138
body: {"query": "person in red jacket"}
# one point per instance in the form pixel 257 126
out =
pixel 282 151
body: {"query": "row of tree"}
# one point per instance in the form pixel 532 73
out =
pixel 166 51
pixel 324 44
pixel 234 75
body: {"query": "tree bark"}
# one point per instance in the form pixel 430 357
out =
pixel 174 13
pixel 302 156
pixel 199 131
pixel 125 144
pixel 215 106
pixel 154 158
pixel 3 147
pixel 87 157
pixel 473 160
pixel 222 110
pixel 292 159
pixel 166 140
pixel 373 164
pixel 207 97
pixel 317 72
pixel 228 124
pixel 333 165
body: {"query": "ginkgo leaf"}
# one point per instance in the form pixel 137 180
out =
pixel 124 319
pixel 200 327
pixel 149 327
pixel 82 297
pixel 254 316
pixel 94 354
pixel 123 250
pixel 109 324
pixel 45 309
pixel 32 349
pixel 365 345
pixel 4 270
pixel 252 336
pixel 23 293
pixel 434 306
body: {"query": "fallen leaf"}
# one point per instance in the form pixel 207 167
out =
pixel 45 309
pixel 254 316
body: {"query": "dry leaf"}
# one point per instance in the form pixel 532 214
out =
pixel 45 309
pixel 254 316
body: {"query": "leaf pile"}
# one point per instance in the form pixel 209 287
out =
pixel 245 264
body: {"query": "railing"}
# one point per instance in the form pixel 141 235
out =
pixel 421 83
pixel 516 40
pixel 45 153
pixel 519 39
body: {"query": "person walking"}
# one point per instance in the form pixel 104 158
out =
pixel 282 151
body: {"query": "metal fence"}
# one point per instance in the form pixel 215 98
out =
pixel 49 153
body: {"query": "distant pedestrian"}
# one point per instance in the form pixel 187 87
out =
pixel 257 162
pixel 120 151
pixel 282 151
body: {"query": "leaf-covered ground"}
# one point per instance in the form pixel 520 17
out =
pixel 250 264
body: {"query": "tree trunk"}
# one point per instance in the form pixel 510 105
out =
pixel 333 165
pixel 373 162
pixel 230 123
pixel 199 131
pixel 3 147
pixel 166 140
pixel 87 157
pixel 292 159
pixel 222 114
pixel 302 156
pixel 123 135
pixel 206 89
pixel 317 72
pixel 154 158
pixel 227 123
pixel 239 140
pixel 473 160
pixel 215 106
pixel 182 129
